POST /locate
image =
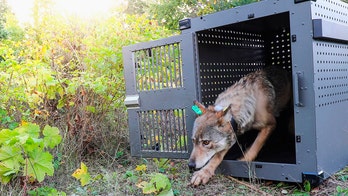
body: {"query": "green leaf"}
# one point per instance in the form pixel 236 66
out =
pixel 10 162
pixel 46 190
pixel 90 109
pixel 13 125
pixel 11 156
pixel 32 144
pixel 4 171
pixel 52 137
pixel 161 182
pixel 7 135
pixel 39 164
pixel 166 193
pixel 61 103
pixel 128 174
pixel 31 129
pixel 307 186
pixel 22 138
pixel 148 188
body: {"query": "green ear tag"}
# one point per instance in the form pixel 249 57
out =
pixel 197 110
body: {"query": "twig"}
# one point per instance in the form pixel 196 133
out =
pixel 248 185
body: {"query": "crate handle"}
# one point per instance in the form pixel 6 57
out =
pixel 326 30
pixel 298 89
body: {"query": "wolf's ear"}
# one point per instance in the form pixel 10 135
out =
pixel 223 112
pixel 200 106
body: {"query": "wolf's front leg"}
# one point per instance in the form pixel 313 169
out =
pixel 203 175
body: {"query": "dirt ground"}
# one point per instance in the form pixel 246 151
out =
pixel 227 185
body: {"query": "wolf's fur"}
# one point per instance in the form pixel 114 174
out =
pixel 253 102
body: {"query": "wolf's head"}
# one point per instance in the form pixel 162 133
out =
pixel 211 134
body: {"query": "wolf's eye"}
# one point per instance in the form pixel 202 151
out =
pixel 205 142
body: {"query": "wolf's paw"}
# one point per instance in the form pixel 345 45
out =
pixel 201 177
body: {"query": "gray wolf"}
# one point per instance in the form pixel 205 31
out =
pixel 253 102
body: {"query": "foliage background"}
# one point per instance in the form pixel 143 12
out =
pixel 67 72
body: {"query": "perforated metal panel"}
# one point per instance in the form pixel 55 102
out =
pixel 226 55
pixel 155 77
pixel 229 52
pixel 331 78
pixel 163 131
pixel 331 10
pixel 158 67
pixel 330 66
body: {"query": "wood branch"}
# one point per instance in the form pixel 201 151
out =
pixel 248 185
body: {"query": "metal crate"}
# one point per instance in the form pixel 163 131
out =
pixel 307 38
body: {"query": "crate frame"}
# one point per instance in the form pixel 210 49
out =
pixel 318 62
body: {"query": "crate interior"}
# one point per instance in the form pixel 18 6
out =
pixel 227 53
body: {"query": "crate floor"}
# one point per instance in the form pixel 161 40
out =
pixel 279 148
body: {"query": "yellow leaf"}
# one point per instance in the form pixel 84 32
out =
pixel 78 172
pixel 82 174
pixel 23 122
pixel 141 167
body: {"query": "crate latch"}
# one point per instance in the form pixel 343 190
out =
pixel 132 101
pixel 185 24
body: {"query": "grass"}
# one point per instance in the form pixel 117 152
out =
pixel 119 176
pixel 114 172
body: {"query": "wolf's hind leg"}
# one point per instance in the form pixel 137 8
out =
pixel 257 145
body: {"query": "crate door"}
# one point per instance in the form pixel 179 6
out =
pixel 160 88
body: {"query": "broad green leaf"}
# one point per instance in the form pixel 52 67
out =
pixel 3 171
pixel 159 185
pixel 33 143
pixel 52 137
pixel 7 168
pixel 11 156
pixel 161 181
pixel 7 135
pixel 10 162
pixel 22 138
pixel 39 164
pixel 147 187
pixel 166 193
pixel 31 129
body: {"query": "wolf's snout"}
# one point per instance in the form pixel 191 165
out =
pixel 192 165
